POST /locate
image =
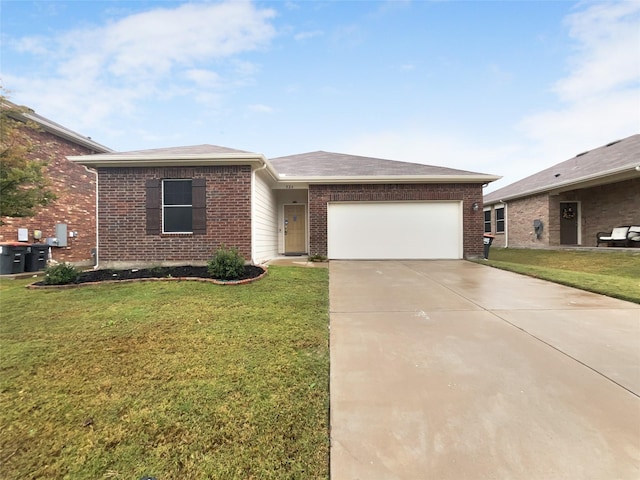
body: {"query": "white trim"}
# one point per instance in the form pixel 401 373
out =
pixel 472 178
pixel 506 223
pixel 504 218
pixel 159 159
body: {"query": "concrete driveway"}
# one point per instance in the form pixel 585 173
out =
pixel 454 370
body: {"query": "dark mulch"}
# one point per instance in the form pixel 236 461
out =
pixel 250 271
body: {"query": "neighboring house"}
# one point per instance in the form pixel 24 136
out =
pixel 71 218
pixel 177 205
pixel 569 203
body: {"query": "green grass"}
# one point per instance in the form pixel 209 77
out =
pixel 178 380
pixel 616 274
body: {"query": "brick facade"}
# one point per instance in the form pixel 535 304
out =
pixel 520 215
pixel 320 195
pixel 600 209
pixel 121 213
pixel 604 207
pixel 76 203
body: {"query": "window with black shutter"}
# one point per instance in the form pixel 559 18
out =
pixel 153 206
pixel 176 206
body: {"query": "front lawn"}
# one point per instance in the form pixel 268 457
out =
pixel 175 380
pixel 616 274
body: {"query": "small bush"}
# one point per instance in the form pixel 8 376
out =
pixel 226 264
pixel 317 258
pixel 61 274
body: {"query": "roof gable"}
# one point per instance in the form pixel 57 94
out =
pixel 597 165
pixel 170 152
pixel 26 114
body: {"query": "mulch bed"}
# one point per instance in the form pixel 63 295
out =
pixel 251 272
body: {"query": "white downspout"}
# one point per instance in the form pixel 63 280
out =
pixel 506 225
pixel 253 213
pixel 95 172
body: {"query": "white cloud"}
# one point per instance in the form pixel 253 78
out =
pixel 33 45
pixel 600 97
pixel 512 159
pixel 607 50
pixel 260 108
pixel 499 75
pixel 307 35
pixel 155 41
pixel 432 148
pixel 589 123
pixel 110 69
pixel 203 78
pixel 598 102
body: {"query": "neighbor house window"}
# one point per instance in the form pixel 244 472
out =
pixel 487 221
pixel 177 204
pixel 500 220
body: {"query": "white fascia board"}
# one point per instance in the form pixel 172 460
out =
pixel 391 179
pixel 143 160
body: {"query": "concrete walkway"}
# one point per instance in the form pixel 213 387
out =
pixel 454 370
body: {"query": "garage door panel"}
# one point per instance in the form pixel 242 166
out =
pixel 394 230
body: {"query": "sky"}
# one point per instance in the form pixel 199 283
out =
pixel 499 87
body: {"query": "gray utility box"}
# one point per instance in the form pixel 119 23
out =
pixel 37 258
pixel 61 234
pixel 12 256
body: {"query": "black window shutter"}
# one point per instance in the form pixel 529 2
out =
pixel 199 209
pixel 153 203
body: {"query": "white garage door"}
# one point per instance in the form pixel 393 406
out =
pixel 394 230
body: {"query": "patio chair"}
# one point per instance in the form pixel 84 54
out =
pixel 617 237
pixel 633 236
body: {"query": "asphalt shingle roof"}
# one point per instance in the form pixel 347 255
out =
pixel 204 149
pixel 328 164
pixel 313 166
pixel 599 162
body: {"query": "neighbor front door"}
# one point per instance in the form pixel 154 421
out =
pixel 295 229
pixel 568 223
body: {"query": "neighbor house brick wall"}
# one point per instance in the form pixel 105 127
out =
pixel 520 215
pixel 605 207
pixel 320 195
pixel 74 187
pixel 601 208
pixel 122 221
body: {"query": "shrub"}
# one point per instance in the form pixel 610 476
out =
pixel 61 274
pixel 226 264
pixel 317 258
